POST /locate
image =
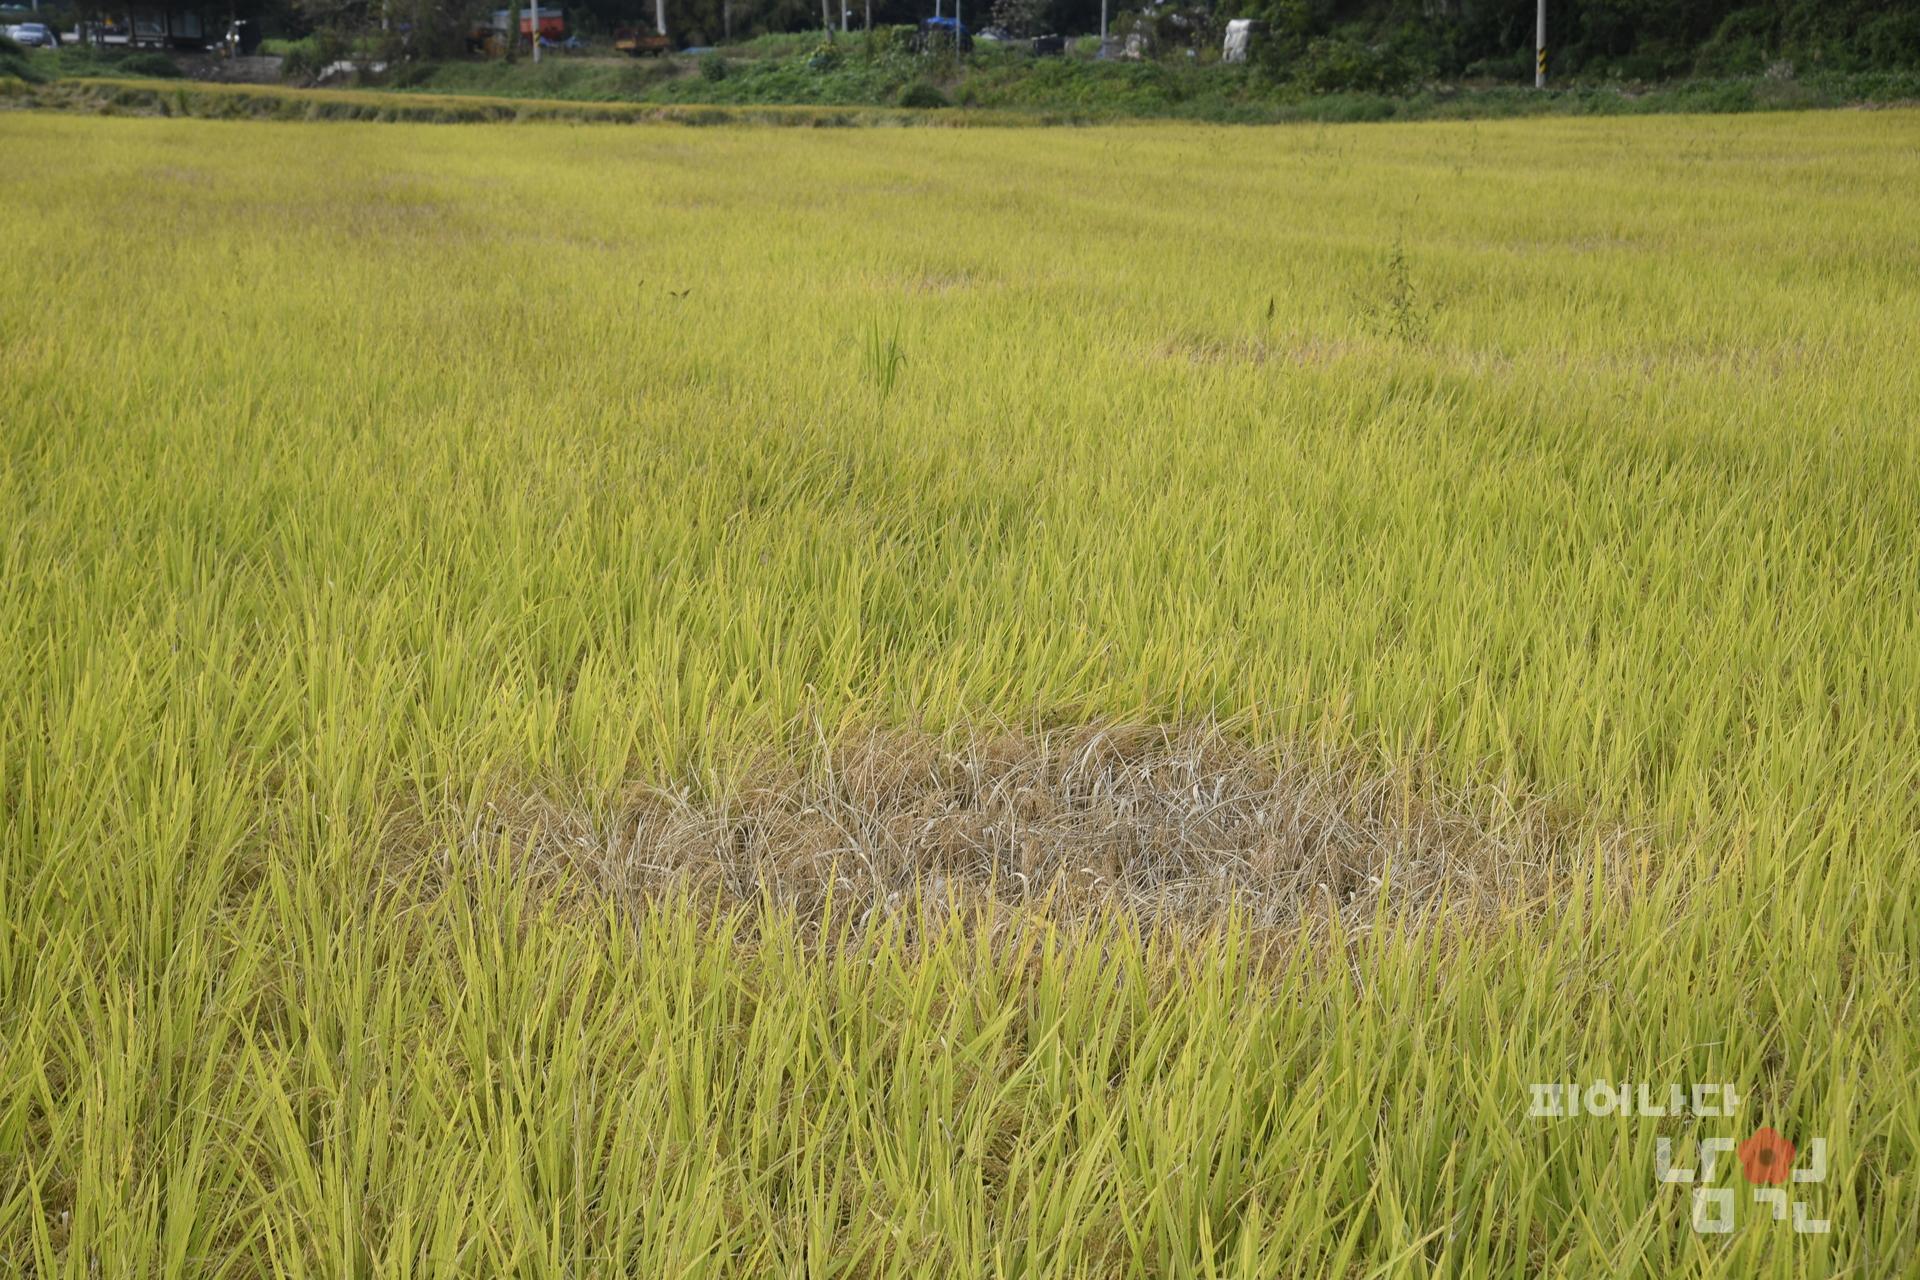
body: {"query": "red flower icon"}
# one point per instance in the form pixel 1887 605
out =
pixel 1766 1156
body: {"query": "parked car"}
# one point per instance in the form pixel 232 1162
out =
pixel 1049 46
pixel 35 35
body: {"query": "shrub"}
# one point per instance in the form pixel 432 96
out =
pixel 635 78
pixel 1892 40
pixel 299 62
pixel 1651 60
pixel 886 42
pixel 411 75
pixel 825 57
pixel 306 59
pixel 922 94
pixel 148 66
pixel 1338 64
pixel 713 66
pixel 1514 67
pixel 16 64
pixel 1740 46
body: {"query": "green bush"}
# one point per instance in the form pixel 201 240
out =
pixel 713 67
pixel 1891 40
pixel 1514 68
pixel 299 62
pixel 1741 45
pixel 307 58
pixel 411 75
pixel 825 57
pixel 887 42
pixel 17 64
pixel 148 66
pixel 1653 60
pixel 1340 64
pixel 922 94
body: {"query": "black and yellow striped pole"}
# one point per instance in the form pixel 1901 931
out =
pixel 1540 47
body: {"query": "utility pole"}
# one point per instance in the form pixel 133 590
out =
pixel 1103 28
pixel 1540 45
pixel 660 17
pixel 536 33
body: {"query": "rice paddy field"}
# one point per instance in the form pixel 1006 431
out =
pixel 663 702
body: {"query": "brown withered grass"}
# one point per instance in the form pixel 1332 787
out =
pixel 1177 825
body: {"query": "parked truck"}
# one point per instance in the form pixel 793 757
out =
pixel 638 42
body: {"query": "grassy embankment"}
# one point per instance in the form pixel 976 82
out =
pixel 796 71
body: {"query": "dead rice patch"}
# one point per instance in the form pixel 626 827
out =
pixel 1172 825
pixel 935 282
pixel 1204 350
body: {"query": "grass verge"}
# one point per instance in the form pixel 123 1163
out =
pixel 104 96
